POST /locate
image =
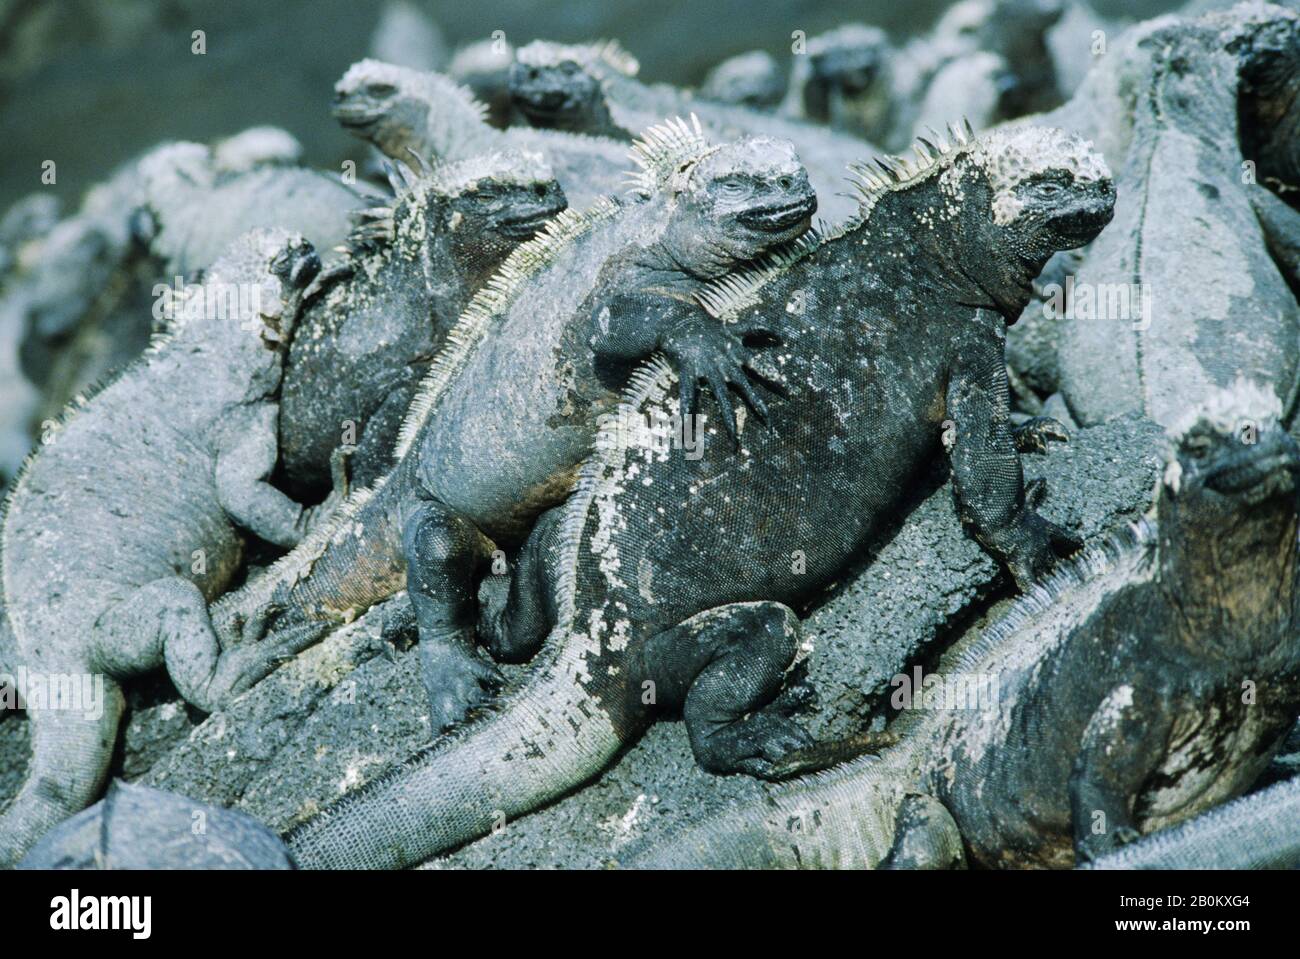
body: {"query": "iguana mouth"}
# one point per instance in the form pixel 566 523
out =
pixel 354 117
pixel 525 227
pixel 1257 479
pixel 773 219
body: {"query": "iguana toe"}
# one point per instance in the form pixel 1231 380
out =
pixel 457 681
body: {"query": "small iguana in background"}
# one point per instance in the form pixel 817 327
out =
pixel 843 79
pixel 137 827
pixel 592 89
pixel 669 581
pixel 124 523
pixel 753 79
pixel 511 407
pixel 1145 682
pixel 371 325
pixel 1183 201
pixel 403 112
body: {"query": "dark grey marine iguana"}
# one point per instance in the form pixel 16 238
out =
pixel 123 525
pixel 511 407
pixel 402 111
pixel 668 581
pixel 371 325
pixel 1145 682
pixel 586 89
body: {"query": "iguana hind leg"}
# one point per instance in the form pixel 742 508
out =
pixel 518 610
pixel 723 666
pixel 445 553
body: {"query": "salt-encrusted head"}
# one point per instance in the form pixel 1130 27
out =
pixel 391 106
pixel 729 202
pixel 560 86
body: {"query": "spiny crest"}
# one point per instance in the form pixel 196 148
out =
pixel 666 153
pixel 729 294
pixel 1226 409
pixel 598 54
pixel 873 179
pixel 490 302
pixel 510 167
pixel 1123 553
pixel 297 563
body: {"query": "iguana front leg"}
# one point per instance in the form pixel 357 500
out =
pixel 246 450
pixel 987 477
pixel 1114 761
pixel 632 326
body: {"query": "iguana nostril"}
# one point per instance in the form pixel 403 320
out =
pixel 785 182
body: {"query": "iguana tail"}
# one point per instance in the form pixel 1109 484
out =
pixel 843 818
pixel 70 756
pixel 547 738
pixel 1259 831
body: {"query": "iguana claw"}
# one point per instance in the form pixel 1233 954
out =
pixel 1033 435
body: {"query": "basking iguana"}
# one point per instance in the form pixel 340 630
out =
pixel 668 581
pixel 1145 682
pixel 589 89
pixel 1142 343
pixel 843 79
pixel 511 406
pixel 401 111
pixel 371 325
pixel 125 521
pixel 137 827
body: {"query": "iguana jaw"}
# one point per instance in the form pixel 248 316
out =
pixel 561 95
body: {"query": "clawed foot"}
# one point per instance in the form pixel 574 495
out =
pixel 1041 544
pixel 457 680
pixel 756 746
pixel 1033 435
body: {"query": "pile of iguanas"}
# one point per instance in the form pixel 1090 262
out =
pixel 581 405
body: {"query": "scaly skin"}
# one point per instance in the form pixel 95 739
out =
pixel 1255 832
pixel 584 89
pixel 669 582
pixel 1112 696
pixel 519 388
pixel 1247 321
pixel 402 111
pixel 371 326
pixel 126 522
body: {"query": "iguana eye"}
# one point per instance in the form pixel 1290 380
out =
pixel 379 90
pixel 1048 189
pixel 733 187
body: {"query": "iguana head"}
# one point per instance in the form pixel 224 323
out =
pixel 498 200
pixel 1001 205
pixel 848 58
pixel 559 86
pixel 392 107
pixel 729 203
pixel 753 79
pixel 1227 516
pixel 1267 40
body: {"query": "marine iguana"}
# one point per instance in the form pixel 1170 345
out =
pixel 668 581
pixel 843 79
pixel 1167 348
pixel 402 111
pixel 136 827
pixel 124 523
pixel 519 387
pixel 371 325
pixel 753 79
pixel 1258 831
pixel 589 89
pixel 1143 683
